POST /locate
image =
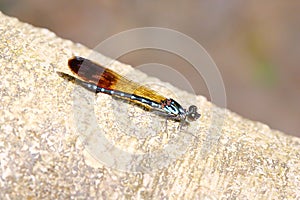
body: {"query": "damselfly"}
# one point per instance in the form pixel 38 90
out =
pixel 97 78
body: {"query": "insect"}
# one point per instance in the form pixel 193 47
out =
pixel 97 78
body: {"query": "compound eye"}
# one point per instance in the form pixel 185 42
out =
pixel 193 109
pixel 192 114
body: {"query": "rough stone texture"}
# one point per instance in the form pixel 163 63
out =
pixel 46 153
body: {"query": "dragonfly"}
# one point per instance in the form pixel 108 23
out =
pixel 100 79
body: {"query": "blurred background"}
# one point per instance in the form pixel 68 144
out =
pixel 255 44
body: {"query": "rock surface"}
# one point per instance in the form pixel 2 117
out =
pixel 60 141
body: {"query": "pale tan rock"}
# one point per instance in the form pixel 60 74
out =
pixel 42 156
